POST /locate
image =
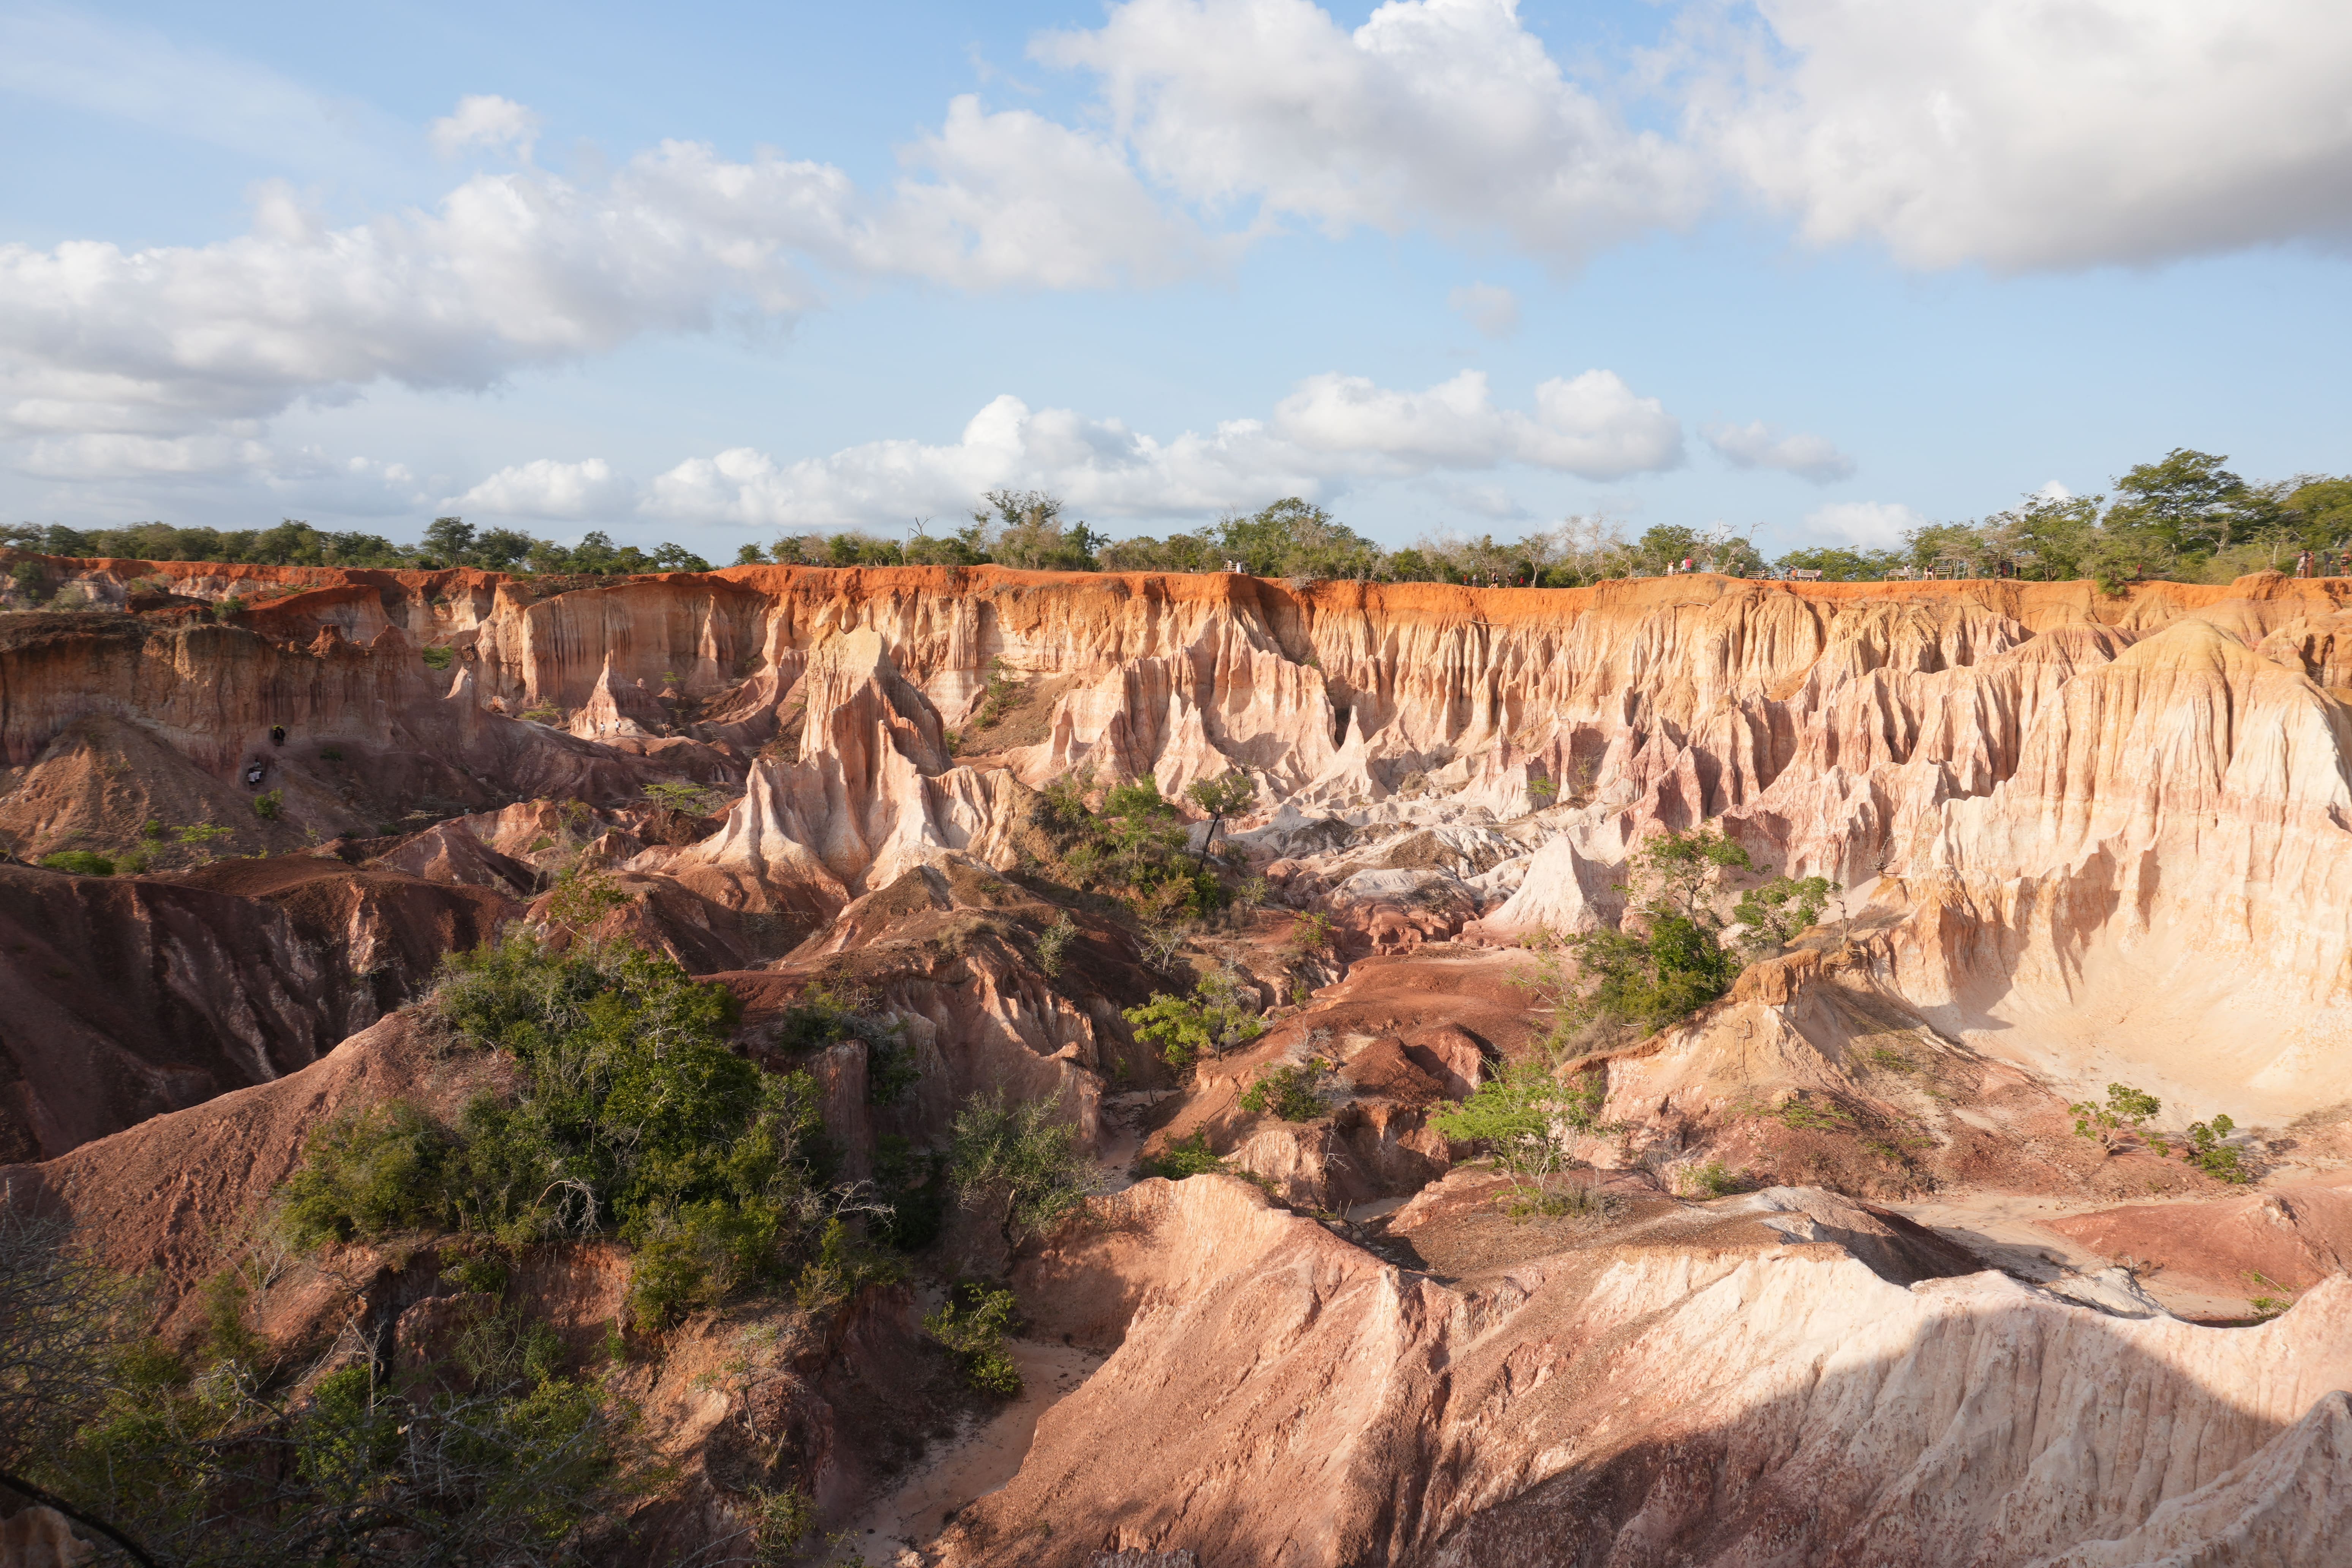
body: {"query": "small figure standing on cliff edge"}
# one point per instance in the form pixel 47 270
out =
pixel 277 734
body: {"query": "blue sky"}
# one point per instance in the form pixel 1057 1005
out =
pixel 1812 270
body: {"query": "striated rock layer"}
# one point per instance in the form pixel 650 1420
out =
pixel 1728 1385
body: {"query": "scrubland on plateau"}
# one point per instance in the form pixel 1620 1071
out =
pixel 960 1065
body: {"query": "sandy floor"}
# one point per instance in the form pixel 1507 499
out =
pixel 976 1461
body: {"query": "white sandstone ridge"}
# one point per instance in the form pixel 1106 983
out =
pixel 869 796
pixel 1731 1384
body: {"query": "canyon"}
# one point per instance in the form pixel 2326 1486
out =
pixel 1843 1281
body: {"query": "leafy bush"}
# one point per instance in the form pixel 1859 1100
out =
pixel 1521 1116
pixel 2210 1155
pixel 1052 942
pixel 214 1457
pixel 633 1117
pixel 269 804
pixel 1665 964
pixel 2125 1114
pixel 1134 846
pixel 1777 913
pixel 1288 1092
pixel 80 862
pixel 1209 1022
pixel 1025 1156
pixel 1312 932
pixel 439 657
pixel 1710 1180
pixel 1182 1158
pixel 973 1323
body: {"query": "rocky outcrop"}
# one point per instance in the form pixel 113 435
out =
pixel 1722 1390
pixel 122 999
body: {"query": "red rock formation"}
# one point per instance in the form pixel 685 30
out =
pixel 1722 1390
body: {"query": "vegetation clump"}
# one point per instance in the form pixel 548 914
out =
pixel 215 1455
pixel 1133 847
pixel 973 1323
pixel 631 1117
pixel 1211 1021
pixel 80 862
pixel 1022 1157
pixel 1522 1117
pixel 1291 1091
pixel 1183 1157
pixel 1663 962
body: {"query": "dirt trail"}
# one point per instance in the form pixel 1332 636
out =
pixel 978 1460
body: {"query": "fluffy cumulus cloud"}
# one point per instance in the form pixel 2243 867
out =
pixel 1865 524
pixel 1593 426
pixel 1443 113
pixel 1332 432
pixel 485 119
pixel 1756 445
pixel 2035 133
pixel 524 268
pixel 548 489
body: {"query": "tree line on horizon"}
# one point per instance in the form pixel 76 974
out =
pixel 2185 517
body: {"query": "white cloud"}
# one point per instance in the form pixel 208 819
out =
pixel 1489 307
pixel 1333 431
pixel 1593 426
pixel 1100 467
pixel 2037 133
pixel 545 488
pixel 485 119
pixel 1756 445
pixel 524 268
pixel 2053 491
pixel 1869 524
pixel 1442 113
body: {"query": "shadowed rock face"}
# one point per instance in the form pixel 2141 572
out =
pixel 122 999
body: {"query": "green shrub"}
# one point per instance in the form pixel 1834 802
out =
pixel 1182 1158
pixel 1135 847
pixel 1211 1021
pixel 1052 942
pixel 330 753
pixel 973 1323
pixel 1709 1181
pixel 1518 1115
pixel 1023 1155
pixel 80 862
pixel 1780 911
pixel 632 1117
pixel 2210 1155
pixel 269 804
pixel 2125 1114
pixel 439 657
pixel 841 1269
pixel 1287 1092
pixel 367 1173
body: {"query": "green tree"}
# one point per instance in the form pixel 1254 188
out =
pixel 1025 1156
pixel 2192 503
pixel 1228 794
pixel 1294 538
pixel 1211 1021
pixel 1522 1116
